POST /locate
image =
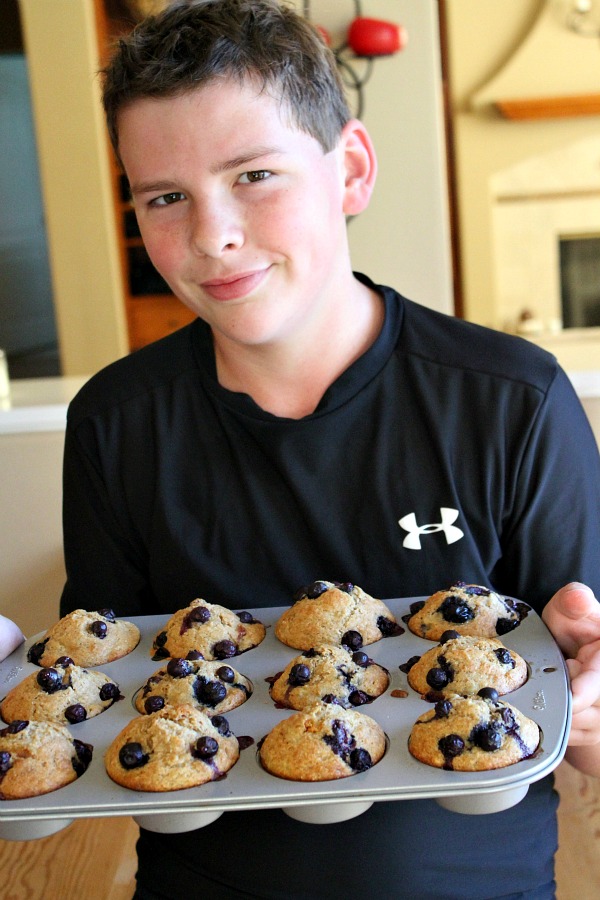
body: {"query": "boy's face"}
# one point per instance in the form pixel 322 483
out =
pixel 242 215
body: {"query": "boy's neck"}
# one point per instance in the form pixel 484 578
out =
pixel 289 380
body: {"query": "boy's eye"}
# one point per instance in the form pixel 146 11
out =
pixel 252 177
pixel 167 199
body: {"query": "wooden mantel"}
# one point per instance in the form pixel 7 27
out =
pixel 549 107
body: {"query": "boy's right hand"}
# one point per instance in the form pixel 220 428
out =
pixel 10 637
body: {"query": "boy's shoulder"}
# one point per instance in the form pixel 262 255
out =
pixel 139 374
pixel 456 344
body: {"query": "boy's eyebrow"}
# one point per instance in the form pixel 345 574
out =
pixel 145 187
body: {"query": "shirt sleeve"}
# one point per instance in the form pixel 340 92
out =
pixel 552 533
pixel 105 567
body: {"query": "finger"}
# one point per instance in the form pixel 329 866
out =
pixel 585 728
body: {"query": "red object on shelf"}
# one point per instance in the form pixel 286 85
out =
pixel 324 34
pixel 374 37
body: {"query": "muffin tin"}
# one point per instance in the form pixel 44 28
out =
pixel 545 697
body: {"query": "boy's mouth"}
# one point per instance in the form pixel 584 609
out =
pixel 234 286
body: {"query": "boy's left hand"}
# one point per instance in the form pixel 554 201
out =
pixel 573 617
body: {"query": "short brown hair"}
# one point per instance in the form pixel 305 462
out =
pixel 193 42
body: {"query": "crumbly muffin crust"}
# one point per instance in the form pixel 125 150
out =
pixel 465 664
pixel 89 638
pixel 211 686
pixel 207 631
pixel 468 609
pixel 39 757
pixel 321 743
pixel 175 748
pixel 472 734
pixel 63 693
pixel 327 612
pixel 331 674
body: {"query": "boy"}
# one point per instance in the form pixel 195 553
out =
pixel 288 433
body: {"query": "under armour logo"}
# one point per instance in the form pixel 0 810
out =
pixel 412 541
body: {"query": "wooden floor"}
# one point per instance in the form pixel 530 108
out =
pixel 94 859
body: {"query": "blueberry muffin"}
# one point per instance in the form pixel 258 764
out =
pixel 331 674
pixel 39 757
pixel 210 686
pixel 342 614
pixel 473 734
pixel 88 638
pixel 63 693
pixel 468 609
pixel 207 631
pixel 175 748
pixel 321 743
pixel 463 664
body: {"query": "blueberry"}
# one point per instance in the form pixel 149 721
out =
pixel 221 724
pixel 358 698
pixel 346 586
pixel 442 709
pixel 179 668
pixel 488 693
pixel 504 657
pixel 315 589
pixel 205 748
pixel 451 745
pixel 330 698
pixel 16 726
pixel 194 654
pixel 224 649
pixel 75 713
pixel 226 674
pixel 299 675
pixel 352 639
pixel 49 680
pixel 154 704
pixel 109 691
pixel 4 762
pixel 199 614
pixel 160 639
pixel 386 626
pixel 64 662
pixel 132 756
pixel 246 617
pixel 503 626
pixel 488 739
pixel 454 609
pixel 407 666
pixel 360 759
pixel 448 635
pixel 107 613
pixel 99 629
pixel 83 756
pixel 209 692
pixel 36 651
pixel 437 678
pixel 360 658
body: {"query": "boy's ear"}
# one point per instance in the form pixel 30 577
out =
pixel 360 167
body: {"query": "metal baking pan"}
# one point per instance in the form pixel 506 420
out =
pixel 545 698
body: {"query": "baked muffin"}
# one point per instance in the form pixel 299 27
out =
pixel 464 664
pixel 88 638
pixel 210 686
pixel 63 693
pixel 177 747
pixel 207 631
pixel 322 742
pixel 39 757
pixel 468 609
pixel 331 674
pixel 327 612
pixel 473 734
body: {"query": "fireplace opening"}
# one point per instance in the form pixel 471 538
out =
pixel 579 258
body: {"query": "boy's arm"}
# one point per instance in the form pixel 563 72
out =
pixel 573 617
pixel 10 637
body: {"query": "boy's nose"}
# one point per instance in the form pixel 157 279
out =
pixel 216 231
